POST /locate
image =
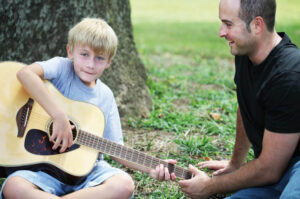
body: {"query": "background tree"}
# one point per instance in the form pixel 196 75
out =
pixel 34 30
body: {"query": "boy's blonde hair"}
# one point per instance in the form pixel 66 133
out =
pixel 96 33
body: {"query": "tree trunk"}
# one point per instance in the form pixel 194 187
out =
pixel 34 30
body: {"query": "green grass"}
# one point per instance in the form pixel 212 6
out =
pixel 166 37
pixel 144 11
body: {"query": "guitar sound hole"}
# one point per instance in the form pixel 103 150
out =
pixel 37 142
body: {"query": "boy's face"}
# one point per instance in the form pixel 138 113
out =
pixel 88 65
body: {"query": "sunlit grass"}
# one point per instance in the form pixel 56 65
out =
pixel 166 11
pixel 191 27
pixel 288 12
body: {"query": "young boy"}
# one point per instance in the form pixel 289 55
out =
pixel 91 46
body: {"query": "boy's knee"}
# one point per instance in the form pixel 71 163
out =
pixel 125 185
pixel 122 185
pixel 17 187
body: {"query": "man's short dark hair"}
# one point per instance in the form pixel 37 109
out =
pixel 249 9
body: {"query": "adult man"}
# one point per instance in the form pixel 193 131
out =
pixel 268 117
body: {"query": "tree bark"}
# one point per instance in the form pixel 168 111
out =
pixel 35 30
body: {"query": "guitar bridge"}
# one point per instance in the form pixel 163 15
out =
pixel 23 116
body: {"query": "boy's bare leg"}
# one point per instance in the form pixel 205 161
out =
pixel 18 188
pixel 116 187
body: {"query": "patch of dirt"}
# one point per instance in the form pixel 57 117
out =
pixel 181 104
pixel 211 87
pixel 150 141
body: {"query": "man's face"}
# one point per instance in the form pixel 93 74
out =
pixel 233 29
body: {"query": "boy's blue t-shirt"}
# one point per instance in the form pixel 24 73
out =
pixel 61 73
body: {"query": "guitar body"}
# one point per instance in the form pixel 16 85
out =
pixel 32 146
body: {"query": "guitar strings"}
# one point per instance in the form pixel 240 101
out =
pixel 131 154
pixel 113 148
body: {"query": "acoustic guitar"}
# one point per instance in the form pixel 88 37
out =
pixel 26 128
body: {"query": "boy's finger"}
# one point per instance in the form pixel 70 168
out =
pixel 167 174
pixel 173 176
pixel 64 146
pixel 161 172
pixel 70 140
pixel 56 143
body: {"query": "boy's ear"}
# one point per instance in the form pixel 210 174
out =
pixel 108 64
pixel 69 52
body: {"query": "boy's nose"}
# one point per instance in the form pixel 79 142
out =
pixel 90 64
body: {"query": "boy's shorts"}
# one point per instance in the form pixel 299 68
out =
pixel 47 183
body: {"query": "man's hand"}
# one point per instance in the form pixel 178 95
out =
pixel 196 187
pixel 162 173
pixel 221 166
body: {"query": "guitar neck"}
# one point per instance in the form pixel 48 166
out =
pixel 119 151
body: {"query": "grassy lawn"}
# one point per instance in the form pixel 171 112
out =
pixel 190 76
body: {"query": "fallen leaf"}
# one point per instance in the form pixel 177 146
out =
pixel 215 116
pixel 207 158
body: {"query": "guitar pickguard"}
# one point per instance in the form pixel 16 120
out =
pixel 37 142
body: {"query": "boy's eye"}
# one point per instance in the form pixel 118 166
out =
pixel 84 54
pixel 99 58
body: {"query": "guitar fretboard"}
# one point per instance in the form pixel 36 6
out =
pixel 123 152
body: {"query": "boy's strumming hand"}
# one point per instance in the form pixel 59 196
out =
pixel 62 134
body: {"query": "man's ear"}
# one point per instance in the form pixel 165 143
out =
pixel 69 52
pixel 257 24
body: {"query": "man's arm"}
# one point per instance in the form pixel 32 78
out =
pixel 242 143
pixel 278 149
